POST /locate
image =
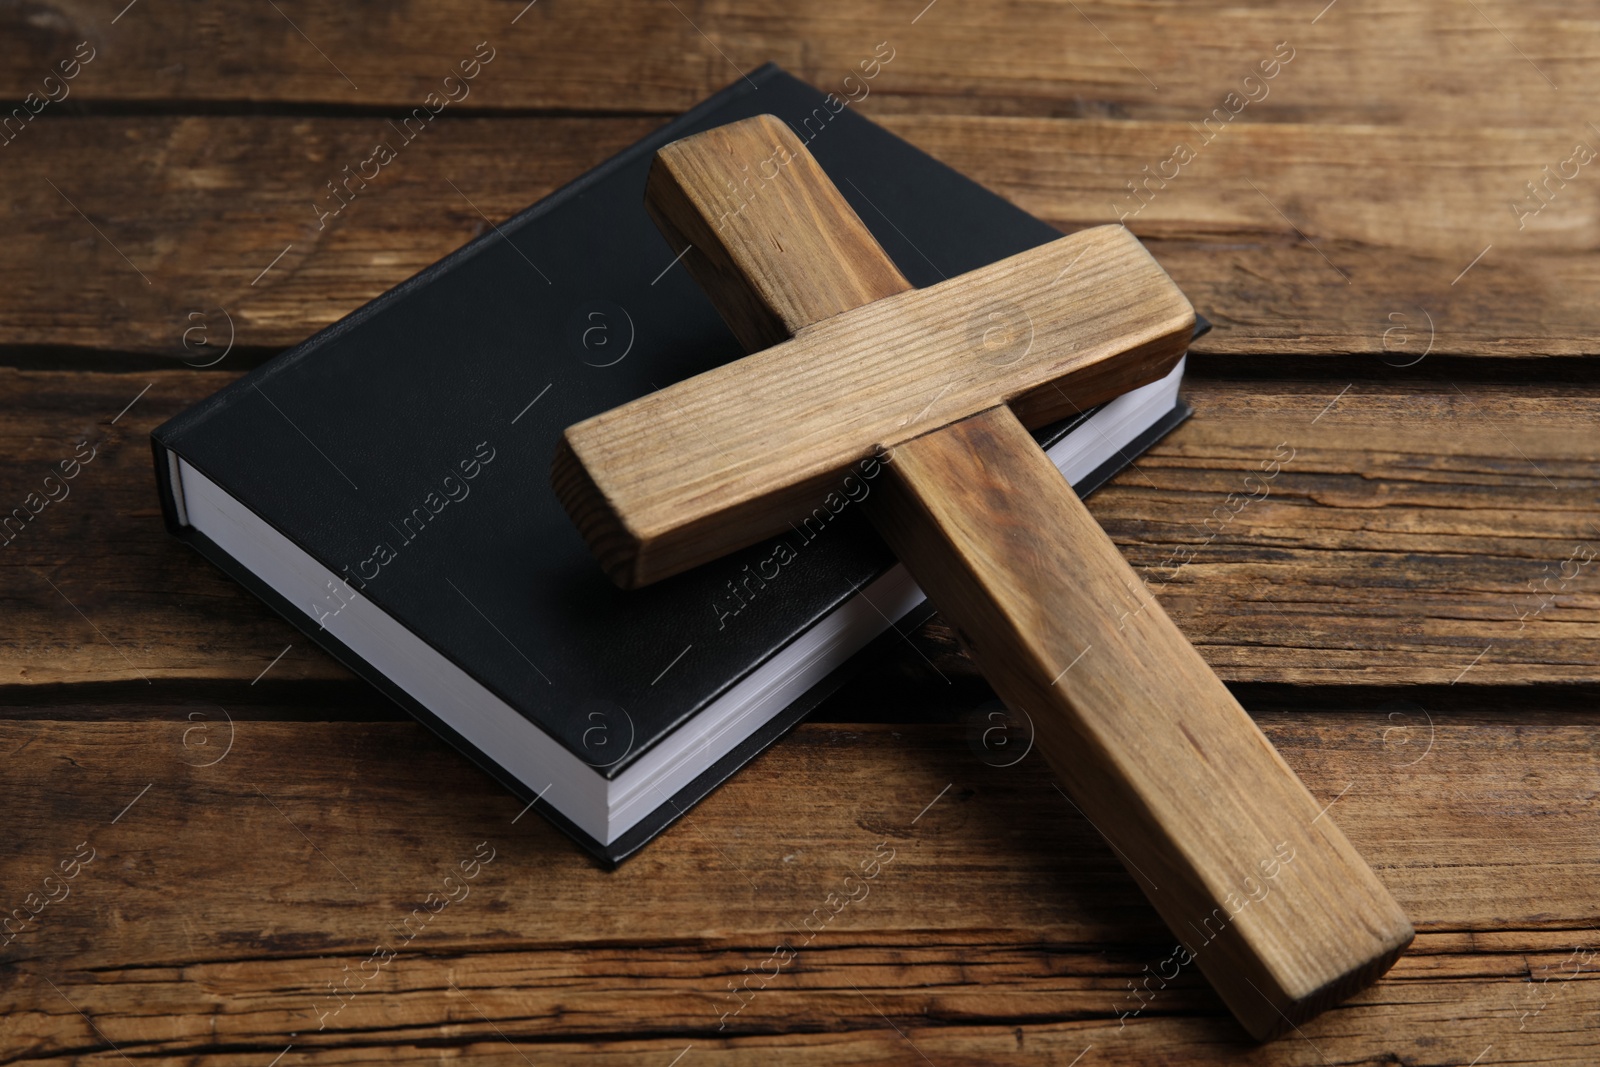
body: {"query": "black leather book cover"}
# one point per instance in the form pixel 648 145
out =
pixel 407 447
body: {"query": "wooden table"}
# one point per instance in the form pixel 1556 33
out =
pixel 1412 612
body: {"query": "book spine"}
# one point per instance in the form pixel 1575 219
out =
pixel 167 487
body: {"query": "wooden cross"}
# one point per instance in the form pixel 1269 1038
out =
pixel 853 366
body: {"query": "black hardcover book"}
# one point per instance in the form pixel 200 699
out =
pixel 385 487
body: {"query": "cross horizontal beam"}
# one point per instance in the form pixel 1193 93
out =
pixel 729 457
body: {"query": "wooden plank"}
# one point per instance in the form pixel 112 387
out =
pixel 182 239
pixel 1162 59
pixel 217 910
pixel 1372 465
pixel 1412 533
pixel 739 453
pixel 1400 213
pixel 1148 742
pixel 1308 239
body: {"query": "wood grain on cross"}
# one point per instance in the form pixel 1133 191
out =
pixel 1248 870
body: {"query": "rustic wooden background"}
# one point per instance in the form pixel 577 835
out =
pixel 1412 613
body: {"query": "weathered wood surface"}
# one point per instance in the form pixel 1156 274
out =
pixel 1500 64
pixel 1293 239
pixel 218 907
pixel 1418 548
pixel 1417 532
